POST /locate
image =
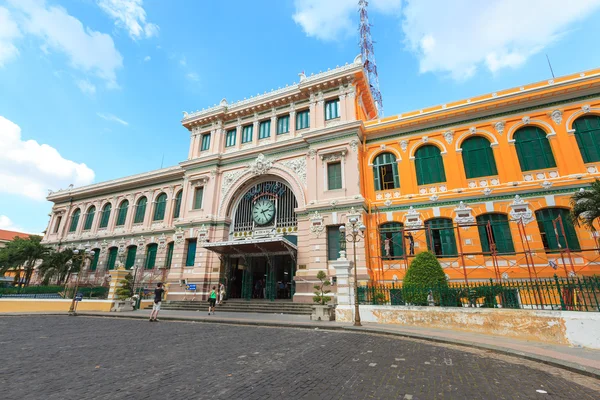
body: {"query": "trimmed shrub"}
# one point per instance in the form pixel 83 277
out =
pixel 424 274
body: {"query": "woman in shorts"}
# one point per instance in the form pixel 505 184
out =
pixel 212 300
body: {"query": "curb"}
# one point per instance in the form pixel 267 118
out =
pixel 566 365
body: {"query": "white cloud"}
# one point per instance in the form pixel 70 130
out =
pixel 7 224
pixel 29 169
pixel 131 15
pixel 147 58
pixel 192 76
pixel 86 87
pixel 112 118
pixel 88 50
pixel 183 61
pixel 9 31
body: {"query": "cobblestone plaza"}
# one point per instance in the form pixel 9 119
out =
pixel 87 358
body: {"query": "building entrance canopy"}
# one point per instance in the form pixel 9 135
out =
pixel 253 247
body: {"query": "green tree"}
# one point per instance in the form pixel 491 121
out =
pixel 424 274
pixel 126 289
pixel 321 292
pixel 59 265
pixel 21 255
pixel 585 206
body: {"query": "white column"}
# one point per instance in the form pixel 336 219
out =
pixel 255 130
pixel 292 120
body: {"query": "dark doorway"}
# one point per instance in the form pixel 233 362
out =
pixel 263 277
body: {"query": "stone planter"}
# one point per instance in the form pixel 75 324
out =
pixel 323 313
pixel 122 305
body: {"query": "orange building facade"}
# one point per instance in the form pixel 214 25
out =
pixel 485 183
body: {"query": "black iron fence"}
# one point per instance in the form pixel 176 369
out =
pixel 569 294
pixel 40 292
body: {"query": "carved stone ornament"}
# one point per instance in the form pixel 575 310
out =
pixel 556 116
pixel 464 214
pixel 425 139
pixel 229 178
pixel 354 145
pixel 412 219
pixel 162 241
pixel 298 165
pixel 311 153
pixel 526 120
pixel 141 242
pixel 472 130
pixel 333 156
pixel 382 147
pixel 404 145
pixel 317 227
pixel 179 235
pixel 122 244
pixel 547 184
pixel 388 202
pixel 449 136
pixel 586 108
pixel 203 234
pixel 333 203
pixel 487 191
pixel 434 197
pixel 499 126
pixel 519 211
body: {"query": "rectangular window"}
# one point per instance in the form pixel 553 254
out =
pixel 151 256
pixel 205 142
pixel 334 175
pixel 333 242
pixel 198 194
pixel 191 253
pixel 112 258
pixel 230 139
pixel 283 125
pixel 169 255
pixel 264 129
pixel 332 109
pixel 303 120
pixel 130 260
pixel 94 264
pixel 247 133
pixel 57 226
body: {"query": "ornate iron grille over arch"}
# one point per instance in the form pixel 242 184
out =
pixel 284 220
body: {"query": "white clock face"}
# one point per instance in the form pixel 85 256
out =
pixel 263 211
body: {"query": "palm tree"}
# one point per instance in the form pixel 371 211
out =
pixel 21 255
pixel 58 265
pixel 585 206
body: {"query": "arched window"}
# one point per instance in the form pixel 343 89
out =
pixel 429 165
pixel 440 237
pixel 159 209
pixel 478 157
pixel 587 133
pixel 89 218
pixel 392 244
pixel 140 211
pixel 497 232
pixel 555 231
pixel 122 214
pixel 112 258
pixel 169 259
pixel 177 205
pixel 74 220
pixel 94 264
pixel 385 171
pixel 533 149
pixel 130 260
pixel 105 215
pixel 151 255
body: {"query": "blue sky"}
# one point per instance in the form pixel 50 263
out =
pixel 92 90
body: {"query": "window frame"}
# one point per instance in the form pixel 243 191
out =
pixel 328 109
pixel 337 163
pixel 105 217
pixel 264 129
pixel 122 213
pixel 160 208
pixel 551 244
pixel 74 220
pixel 247 134
pixel 332 230
pixel 381 162
pixel 441 233
pixel 195 205
pixel 130 257
pixel 89 218
pixel 140 216
pixel 280 120
pixel 189 243
pixel 151 252
pixel 177 205
pixel 428 174
pixel 478 162
pixel 205 142
pixel 169 257
pixel 527 148
pixel 301 117
pixel 500 226
pixel 393 230
pixel 588 140
pixel 230 137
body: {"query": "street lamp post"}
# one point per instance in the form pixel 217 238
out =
pixel 82 256
pixel 357 232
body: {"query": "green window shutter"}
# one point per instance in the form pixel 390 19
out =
pixel 334 175
pixel 283 124
pixel 198 194
pixel 303 120
pixel 500 230
pixel 230 138
pixel 376 177
pixel 264 129
pixel 191 253
pixel 550 229
pixel 130 260
pixel 332 109
pixel 440 237
pixel 382 164
pixel 533 149
pixel 393 232
pixel 94 264
pixel 74 220
pixel 140 211
pixel 429 165
pixel 89 218
pixel 587 134
pixel 169 255
pixel 478 157
pixel 112 258
pixel 177 208
pixel 333 242
pixel 160 206
pixel 122 215
pixel 205 142
pixel 247 133
pixel 151 256
pixel 396 176
pixel 105 215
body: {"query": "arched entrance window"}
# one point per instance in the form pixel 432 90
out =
pixel 587 133
pixel 122 215
pixel 429 165
pixel 478 157
pixel 74 220
pixel 151 255
pixel 556 234
pixel 498 233
pixel 385 172
pixel 89 218
pixel 159 209
pixel 105 215
pixel 440 237
pixel 112 258
pixel 392 245
pixel 130 260
pixel 140 210
pixel 177 205
pixel 533 149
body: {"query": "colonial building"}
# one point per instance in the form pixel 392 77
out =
pixel 484 183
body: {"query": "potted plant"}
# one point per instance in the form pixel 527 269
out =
pixel 321 310
pixel 124 295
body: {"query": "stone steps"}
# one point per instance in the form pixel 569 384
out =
pixel 241 306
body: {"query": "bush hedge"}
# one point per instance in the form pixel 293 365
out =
pixel 424 273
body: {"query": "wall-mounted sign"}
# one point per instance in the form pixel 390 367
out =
pixel 274 189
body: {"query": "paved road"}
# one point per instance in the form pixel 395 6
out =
pixel 60 357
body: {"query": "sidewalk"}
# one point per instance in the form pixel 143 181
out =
pixel 580 360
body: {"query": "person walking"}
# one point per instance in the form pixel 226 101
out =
pixel 221 293
pixel 212 299
pixel 158 293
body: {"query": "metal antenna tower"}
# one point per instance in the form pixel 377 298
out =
pixel 368 55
